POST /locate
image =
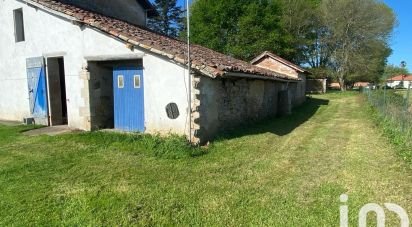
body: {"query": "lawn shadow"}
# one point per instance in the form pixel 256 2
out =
pixel 278 125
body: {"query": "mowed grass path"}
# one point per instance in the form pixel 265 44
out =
pixel 282 172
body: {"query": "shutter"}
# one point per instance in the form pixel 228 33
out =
pixel 36 78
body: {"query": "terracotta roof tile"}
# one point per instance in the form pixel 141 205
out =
pixel 203 59
pixel 401 77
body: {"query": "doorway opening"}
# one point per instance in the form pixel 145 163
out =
pixel 56 87
pixel 103 91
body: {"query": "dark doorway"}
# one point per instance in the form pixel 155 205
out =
pixel 56 84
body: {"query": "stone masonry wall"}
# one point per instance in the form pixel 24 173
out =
pixel 316 86
pixel 226 103
pixel 300 91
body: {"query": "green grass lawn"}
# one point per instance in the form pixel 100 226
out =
pixel 281 172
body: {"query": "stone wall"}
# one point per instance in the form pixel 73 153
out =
pixel 317 86
pixel 300 92
pixel 226 103
pixel 298 89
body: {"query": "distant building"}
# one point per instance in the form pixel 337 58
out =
pixel 361 84
pixel 334 86
pixel 271 61
pixel 401 81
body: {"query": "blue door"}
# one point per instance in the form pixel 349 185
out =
pixel 128 99
pixel 36 78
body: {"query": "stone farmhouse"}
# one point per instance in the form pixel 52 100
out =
pixel 93 64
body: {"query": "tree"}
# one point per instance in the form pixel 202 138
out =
pixel 301 25
pixel 240 28
pixel 357 36
pixel 169 20
pixel 347 40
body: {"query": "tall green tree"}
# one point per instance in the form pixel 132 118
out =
pixel 344 39
pixel 240 28
pixel 301 26
pixel 357 36
pixel 169 20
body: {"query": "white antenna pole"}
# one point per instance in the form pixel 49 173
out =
pixel 188 69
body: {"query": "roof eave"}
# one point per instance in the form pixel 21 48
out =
pixel 54 12
pixel 254 76
pixel 258 58
pixel 126 38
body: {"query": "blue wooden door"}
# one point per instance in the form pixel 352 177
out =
pixel 36 78
pixel 128 89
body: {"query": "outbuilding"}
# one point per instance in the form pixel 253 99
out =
pixel 400 81
pixel 93 65
pixel 273 62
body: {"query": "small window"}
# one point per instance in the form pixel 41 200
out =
pixel 18 25
pixel 136 80
pixel 120 81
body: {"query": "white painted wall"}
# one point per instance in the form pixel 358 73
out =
pixel 48 35
pixel 396 83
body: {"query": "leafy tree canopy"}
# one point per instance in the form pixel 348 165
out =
pixel 356 38
pixel 346 39
pixel 241 28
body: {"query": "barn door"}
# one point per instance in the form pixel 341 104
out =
pixel 128 99
pixel 36 77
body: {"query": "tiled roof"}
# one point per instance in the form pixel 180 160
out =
pixel 282 60
pixel 401 77
pixel 204 60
